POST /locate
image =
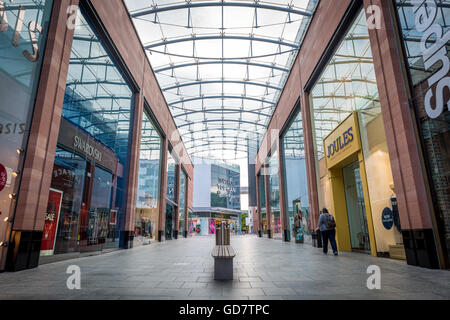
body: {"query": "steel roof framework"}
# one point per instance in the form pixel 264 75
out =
pixel 221 65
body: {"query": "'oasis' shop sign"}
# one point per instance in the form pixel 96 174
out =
pixel 426 12
pixel 33 26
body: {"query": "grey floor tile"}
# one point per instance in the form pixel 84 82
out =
pixel 263 269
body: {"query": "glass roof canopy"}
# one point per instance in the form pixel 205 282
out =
pixel 221 65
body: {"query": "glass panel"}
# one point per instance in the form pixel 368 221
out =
pixel 294 164
pixel 430 80
pixel 147 204
pixel 69 171
pixel 20 68
pixel 349 84
pixel 170 218
pixel 171 185
pixel 356 211
pixel 101 226
pixel 274 189
pixel 262 203
pixel 96 126
pixel 182 210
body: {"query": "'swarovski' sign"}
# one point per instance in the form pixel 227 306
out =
pixel 426 13
pixel 88 149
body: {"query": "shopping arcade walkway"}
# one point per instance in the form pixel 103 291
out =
pixel 264 269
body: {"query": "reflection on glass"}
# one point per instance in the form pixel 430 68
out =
pixel 19 77
pixel 356 211
pixel 348 84
pixel 182 213
pixel 100 225
pixel 96 126
pixel 147 204
pixel 171 191
pixel 171 185
pixel 435 132
pixel 69 171
pixel 294 164
pixel 274 192
pixel 262 204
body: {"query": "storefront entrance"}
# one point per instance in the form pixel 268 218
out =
pixel 170 219
pixel 347 188
pixel 356 211
pixel 82 214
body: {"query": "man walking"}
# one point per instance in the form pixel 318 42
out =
pixel 327 227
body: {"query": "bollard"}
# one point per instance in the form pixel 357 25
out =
pixel 218 236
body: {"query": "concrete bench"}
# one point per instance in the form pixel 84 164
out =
pixel 223 262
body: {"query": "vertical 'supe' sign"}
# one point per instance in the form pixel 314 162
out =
pixel 426 13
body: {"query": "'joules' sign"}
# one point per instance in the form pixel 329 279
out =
pixel 426 12
pixel 340 143
pixel 343 141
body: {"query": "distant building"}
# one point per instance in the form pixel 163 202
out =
pixel 216 197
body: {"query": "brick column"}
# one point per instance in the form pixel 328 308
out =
pixel 313 193
pixel 413 204
pixel 26 234
pixel 127 234
pixel 177 200
pixel 163 192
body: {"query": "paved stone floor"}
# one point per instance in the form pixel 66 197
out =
pixel 264 269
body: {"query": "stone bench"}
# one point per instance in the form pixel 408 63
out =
pixel 223 262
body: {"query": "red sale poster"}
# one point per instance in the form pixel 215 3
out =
pixel 3 177
pixel 51 222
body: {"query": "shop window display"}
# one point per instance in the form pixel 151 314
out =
pixel 426 44
pixel 147 204
pixel 90 169
pixel 182 213
pixel 262 204
pixel 347 85
pixel 294 164
pixel 170 197
pixel 20 66
pixel 274 192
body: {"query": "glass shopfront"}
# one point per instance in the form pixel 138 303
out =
pixel 274 193
pixel 87 197
pixel 23 30
pixel 425 30
pixel 262 204
pixel 298 221
pixel 147 204
pixel 170 198
pixel 353 159
pixel 182 213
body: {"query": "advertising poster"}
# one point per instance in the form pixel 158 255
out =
pixel 113 217
pixel 3 177
pixel 212 226
pixel 51 222
pixel 195 226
